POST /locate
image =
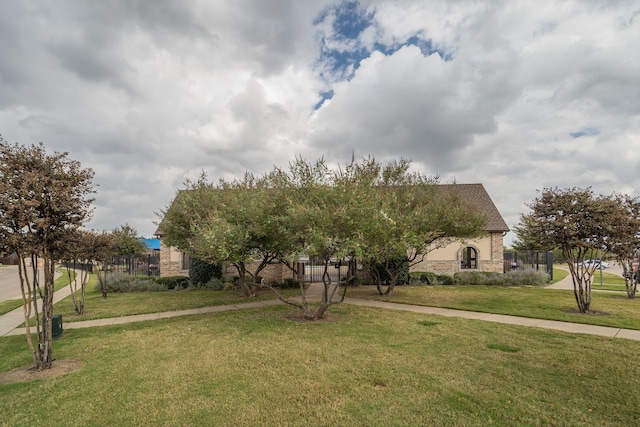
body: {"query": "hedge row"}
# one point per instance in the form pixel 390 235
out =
pixel 512 278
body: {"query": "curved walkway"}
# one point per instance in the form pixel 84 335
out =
pixel 9 322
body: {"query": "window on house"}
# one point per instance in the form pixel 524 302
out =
pixel 185 261
pixel 469 258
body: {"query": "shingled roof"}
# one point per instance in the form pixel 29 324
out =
pixel 478 198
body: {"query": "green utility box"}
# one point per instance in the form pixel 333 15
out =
pixel 56 325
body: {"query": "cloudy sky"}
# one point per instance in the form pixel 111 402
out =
pixel 517 95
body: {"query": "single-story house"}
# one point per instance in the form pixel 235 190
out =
pixel 482 254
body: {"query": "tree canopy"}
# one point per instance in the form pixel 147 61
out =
pixel 361 210
pixel 43 199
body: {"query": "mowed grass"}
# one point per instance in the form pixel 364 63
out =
pixel 609 309
pixel 125 304
pixel 361 367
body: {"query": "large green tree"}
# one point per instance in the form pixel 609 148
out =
pixel 325 211
pixel 124 241
pixel 361 210
pixel 231 222
pixel 411 216
pixel 43 199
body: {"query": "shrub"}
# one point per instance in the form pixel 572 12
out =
pixel 201 272
pixel 123 284
pixel 173 282
pixel 527 277
pixel 288 283
pixel 422 278
pixel 214 284
pixel 478 278
pixel 401 263
pixel 513 278
pixel 443 279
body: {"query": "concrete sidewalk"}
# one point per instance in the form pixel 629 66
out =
pixel 9 322
pixel 567 282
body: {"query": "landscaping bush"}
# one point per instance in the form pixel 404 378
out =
pixel 201 272
pixel 133 284
pixel 422 278
pixel 513 278
pixel 173 282
pixel 443 279
pixel 527 277
pixel 288 283
pixel 403 278
pixel 477 278
pixel 214 284
pixel 429 278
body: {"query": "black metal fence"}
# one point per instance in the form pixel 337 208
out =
pixel 312 270
pixel 529 260
pixel 134 265
pixel 137 265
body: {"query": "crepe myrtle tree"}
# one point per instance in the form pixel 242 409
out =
pixel 43 199
pixel 623 241
pixel 84 249
pixel 579 223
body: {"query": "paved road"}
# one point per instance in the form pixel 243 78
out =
pixel 9 283
pixel 567 282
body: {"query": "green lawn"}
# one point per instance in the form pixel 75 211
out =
pixel 612 309
pixel 559 274
pixel 363 366
pixel 125 304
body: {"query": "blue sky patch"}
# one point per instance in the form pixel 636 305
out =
pixel 585 132
pixel 341 50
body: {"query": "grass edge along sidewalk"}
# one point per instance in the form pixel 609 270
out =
pixel 612 332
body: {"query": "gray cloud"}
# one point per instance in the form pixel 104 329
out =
pixel 520 96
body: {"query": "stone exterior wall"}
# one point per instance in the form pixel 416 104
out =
pixel 440 261
pixel 171 262
pixel 490 256
pixel 271 273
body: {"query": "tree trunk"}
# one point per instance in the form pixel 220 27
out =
pixel 28 296
pixel 248 290
pixel 583 296
pixel 46 334
pixel 393 281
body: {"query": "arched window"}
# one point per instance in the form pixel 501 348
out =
pixel 469 258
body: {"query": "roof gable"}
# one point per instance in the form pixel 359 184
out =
pixel 478 198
